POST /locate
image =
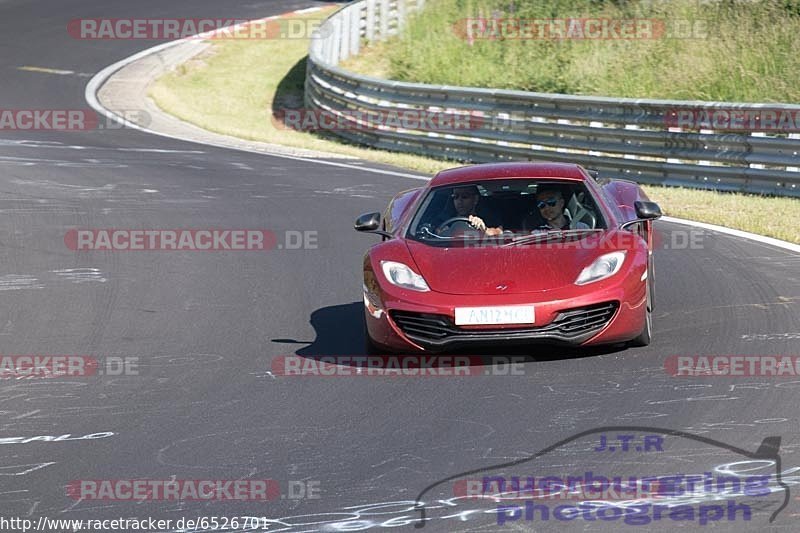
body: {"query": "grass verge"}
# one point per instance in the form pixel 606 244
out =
pixel 733 51
pixel 233 90
pixel 234 87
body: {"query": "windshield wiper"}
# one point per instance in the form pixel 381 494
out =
pixel 548 234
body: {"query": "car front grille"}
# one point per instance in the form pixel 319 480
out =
pixel 570 325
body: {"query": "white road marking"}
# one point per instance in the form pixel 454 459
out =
pixel 737 233
pixel 27 143
pixel 46 70
pixel 8 470
pixel 57 71
pixel 51 438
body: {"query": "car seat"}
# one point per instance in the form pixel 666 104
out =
pixel 576 211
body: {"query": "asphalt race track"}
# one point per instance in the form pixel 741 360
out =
pixel 205 327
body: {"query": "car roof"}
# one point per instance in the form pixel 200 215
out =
pixel 490 171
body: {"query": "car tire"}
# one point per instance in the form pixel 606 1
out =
pixel 643 339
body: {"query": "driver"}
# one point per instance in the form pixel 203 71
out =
pixel 465 202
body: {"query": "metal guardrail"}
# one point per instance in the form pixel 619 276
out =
pixel 621 137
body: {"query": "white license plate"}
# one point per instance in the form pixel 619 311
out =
pixel 476 316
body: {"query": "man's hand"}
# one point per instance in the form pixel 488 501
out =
pixel 477 223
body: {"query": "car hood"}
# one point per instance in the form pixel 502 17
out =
pixel 501 270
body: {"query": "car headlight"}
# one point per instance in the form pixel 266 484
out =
pixel 402 276
pixel 601 268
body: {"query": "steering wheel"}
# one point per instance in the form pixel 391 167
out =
pixel 450 221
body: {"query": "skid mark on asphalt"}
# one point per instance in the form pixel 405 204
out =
pixel 711 398
pixel 782 301
pixel 647 415
pixel 14 282
pixel 25 415
pixel 356 191
pixel 772 336
pixel 47 184
pixel 80 275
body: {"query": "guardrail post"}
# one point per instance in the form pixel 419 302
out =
pixel 355 30
pixel 384 19
pixel 335 40
pixel 369 30
pixel 401 14
pixel 344 42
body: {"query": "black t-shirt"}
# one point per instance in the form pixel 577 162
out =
pixel 489 216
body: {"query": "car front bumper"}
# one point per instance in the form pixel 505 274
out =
pixel 605 312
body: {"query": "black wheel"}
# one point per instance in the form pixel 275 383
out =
pixel 643 339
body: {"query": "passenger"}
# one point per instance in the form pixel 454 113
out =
pixel 550 203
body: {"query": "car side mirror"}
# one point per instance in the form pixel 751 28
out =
pixel 644 211
pixel 368 222
pixel 647 210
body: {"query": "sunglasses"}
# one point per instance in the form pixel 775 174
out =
pixel 550 201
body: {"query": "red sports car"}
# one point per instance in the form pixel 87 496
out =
pixel 510 253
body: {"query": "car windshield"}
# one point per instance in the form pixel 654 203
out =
pixel 510 212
